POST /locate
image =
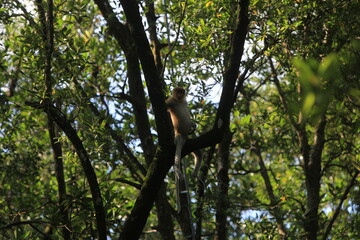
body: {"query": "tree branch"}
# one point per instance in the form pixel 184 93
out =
pixel 232 68
pixel 276 211
pixel 60 119
pixel 121 33
pixel 156 46
pixel 231 74
pixel 338 208
pixel 282 96
pixel 116 28
pixel 47 24
pixel 10 225
pixel 152 77
pixel 313 176
pixel 117 138
pixel 122 180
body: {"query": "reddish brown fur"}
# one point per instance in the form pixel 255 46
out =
pixel 179 112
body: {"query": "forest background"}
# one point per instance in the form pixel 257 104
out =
pixel 86 143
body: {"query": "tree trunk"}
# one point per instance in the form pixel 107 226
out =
pixel 222 200
pixel 312 169
pixel 165 221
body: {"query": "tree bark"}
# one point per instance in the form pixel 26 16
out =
pixel 312 163
pixel 47 33
pixel 312 167
pixel 164 158
pixel 157 171
pixel 222 200
pixel 59 118
pixel 165 221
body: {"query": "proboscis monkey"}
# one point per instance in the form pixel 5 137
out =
pixel 183 126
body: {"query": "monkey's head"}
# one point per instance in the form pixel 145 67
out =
pixel 179 93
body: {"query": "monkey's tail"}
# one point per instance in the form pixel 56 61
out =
pixel 179 142
pixel 177 181
pixel 188 206
pixel 198 156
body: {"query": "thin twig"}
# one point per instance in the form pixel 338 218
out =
pixel 338 208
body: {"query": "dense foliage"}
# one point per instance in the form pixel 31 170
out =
pixel 86 143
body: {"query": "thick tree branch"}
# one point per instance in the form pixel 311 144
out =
pixel 47 23
pixel 144 202
pixel 155 43
pixel 232 68
pixel 222 199
pixel 121 33
pixel 152 77
pixel 116 28
pixel 164 160
pixel 165 221
pixel 136 89
pixel 230 77
pixel 60 119
pixel 312 166
pixel 143 205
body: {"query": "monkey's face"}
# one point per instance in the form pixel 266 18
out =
pixel 179 93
